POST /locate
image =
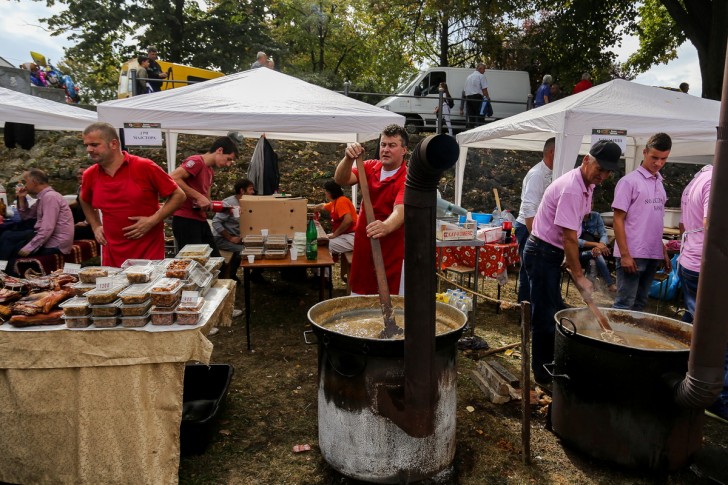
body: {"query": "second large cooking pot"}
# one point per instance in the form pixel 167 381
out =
pixel 614 402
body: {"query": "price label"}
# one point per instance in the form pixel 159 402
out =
pixel 3 265
pixel 71 268
pixel 104 283
pixel 190 297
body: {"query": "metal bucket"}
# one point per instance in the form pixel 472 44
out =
pixel 615 402
pixel 356 373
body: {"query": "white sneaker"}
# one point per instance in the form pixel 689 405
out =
pixel 213 331
pixel 237 312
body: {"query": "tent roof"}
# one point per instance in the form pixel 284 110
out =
pixel 641 110
pixel 43 113
pixel 254 102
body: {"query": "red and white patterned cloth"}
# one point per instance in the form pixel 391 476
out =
pixel 494 258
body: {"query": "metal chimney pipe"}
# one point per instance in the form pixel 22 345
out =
pixel 431 157
pixel 704 380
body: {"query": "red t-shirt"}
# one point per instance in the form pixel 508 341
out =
pixel 384 195
pixel 201 181
pixel 582 85
pixel 338 208
pixel 134 190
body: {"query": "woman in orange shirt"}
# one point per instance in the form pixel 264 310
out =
pixel 343 218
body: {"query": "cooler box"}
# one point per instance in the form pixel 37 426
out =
pixel 205 390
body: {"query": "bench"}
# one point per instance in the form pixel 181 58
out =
pixel 82 250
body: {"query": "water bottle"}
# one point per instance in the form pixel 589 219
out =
pixel 311 240
pixel 497 221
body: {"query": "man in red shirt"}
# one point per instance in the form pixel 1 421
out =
pixel 582 85
pixel 386 178
pixel 194 177
pixel 125 190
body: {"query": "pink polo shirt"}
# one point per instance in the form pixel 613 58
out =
pixel 642 196
pixel 564 204
pixel 694 205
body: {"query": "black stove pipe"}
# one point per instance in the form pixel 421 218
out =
pixel 430 159
pixel 704 380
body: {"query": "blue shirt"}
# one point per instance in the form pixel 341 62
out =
pixel 594 225
pixel 543 90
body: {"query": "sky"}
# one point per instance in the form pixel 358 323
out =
pixel 21 32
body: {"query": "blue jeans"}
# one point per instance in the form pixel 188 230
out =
pixel 524 292
pixel 633 288
pixel 543 265
pixel 690 291
pixel 602 268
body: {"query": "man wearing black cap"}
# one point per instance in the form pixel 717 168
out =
pixel 154 71
pixel 556 229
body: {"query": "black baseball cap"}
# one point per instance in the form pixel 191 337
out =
pixel 607 154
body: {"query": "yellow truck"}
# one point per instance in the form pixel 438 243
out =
pixel 175 72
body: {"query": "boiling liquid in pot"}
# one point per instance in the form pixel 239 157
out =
pixel 369 324
pixel 636 337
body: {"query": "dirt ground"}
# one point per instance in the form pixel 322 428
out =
pixel 272 406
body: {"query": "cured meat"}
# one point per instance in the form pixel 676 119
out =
pixel 7 296
pixel 6 311
pixel 41 302
pixel 52 318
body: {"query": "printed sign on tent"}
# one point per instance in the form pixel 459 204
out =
pixel 143 134
pixel 617 136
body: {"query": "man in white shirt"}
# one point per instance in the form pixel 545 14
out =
pixel 476 91
pixel 534 185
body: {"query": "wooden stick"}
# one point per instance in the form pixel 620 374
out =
pixel 498 349
pixel 497 200
pixel 526 382
pixel 390 326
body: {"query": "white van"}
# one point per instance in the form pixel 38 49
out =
pixel 417 98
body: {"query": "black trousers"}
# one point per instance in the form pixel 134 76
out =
pixel 191 231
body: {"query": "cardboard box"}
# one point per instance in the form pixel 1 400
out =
pixel 490 234
pixel 280 215
pixel 452 232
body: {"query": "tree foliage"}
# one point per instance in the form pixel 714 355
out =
pixel 376 45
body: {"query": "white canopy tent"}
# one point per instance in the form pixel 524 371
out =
pixel 253 103
pixel 621 105
pixel 45 114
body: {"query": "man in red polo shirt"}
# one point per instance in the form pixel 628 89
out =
pixel 125 190
pixel 194 176
pixel 386 178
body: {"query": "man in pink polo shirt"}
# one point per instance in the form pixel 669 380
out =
pixel 556 229
pixel 693 223
pixel 639 210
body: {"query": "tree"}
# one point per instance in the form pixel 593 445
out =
pixel 665 24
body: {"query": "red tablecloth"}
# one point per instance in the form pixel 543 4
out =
pixel 493 258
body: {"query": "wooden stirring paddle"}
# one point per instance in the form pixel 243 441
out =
pixel 390 326
pixel 607 334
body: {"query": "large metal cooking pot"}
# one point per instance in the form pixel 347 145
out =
pixel 613 402
pixel 354 374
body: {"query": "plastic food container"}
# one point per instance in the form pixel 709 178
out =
pixel 162 316
pixel 197 252
pixel 105 322
pixel 253 240
pixel 136 262
pixel 91 273
pixel 136 309
pixel 215 277
pixel 180 268
pixel 257 252
pixel 135 294
pixel 75 307
pixel 276 241
pixel 166 292
pixel 275 254
pixel 102 297
pixel 77 322
pixel 139 274
pixel 189 313
pixel 82 288
pixel 135 320
pixel 214 263
pixel 189 285
pixel 108 310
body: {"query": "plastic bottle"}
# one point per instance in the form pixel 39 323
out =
pixel 311 240
pixel 497 221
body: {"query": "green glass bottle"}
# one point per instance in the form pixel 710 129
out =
pixel 311 240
